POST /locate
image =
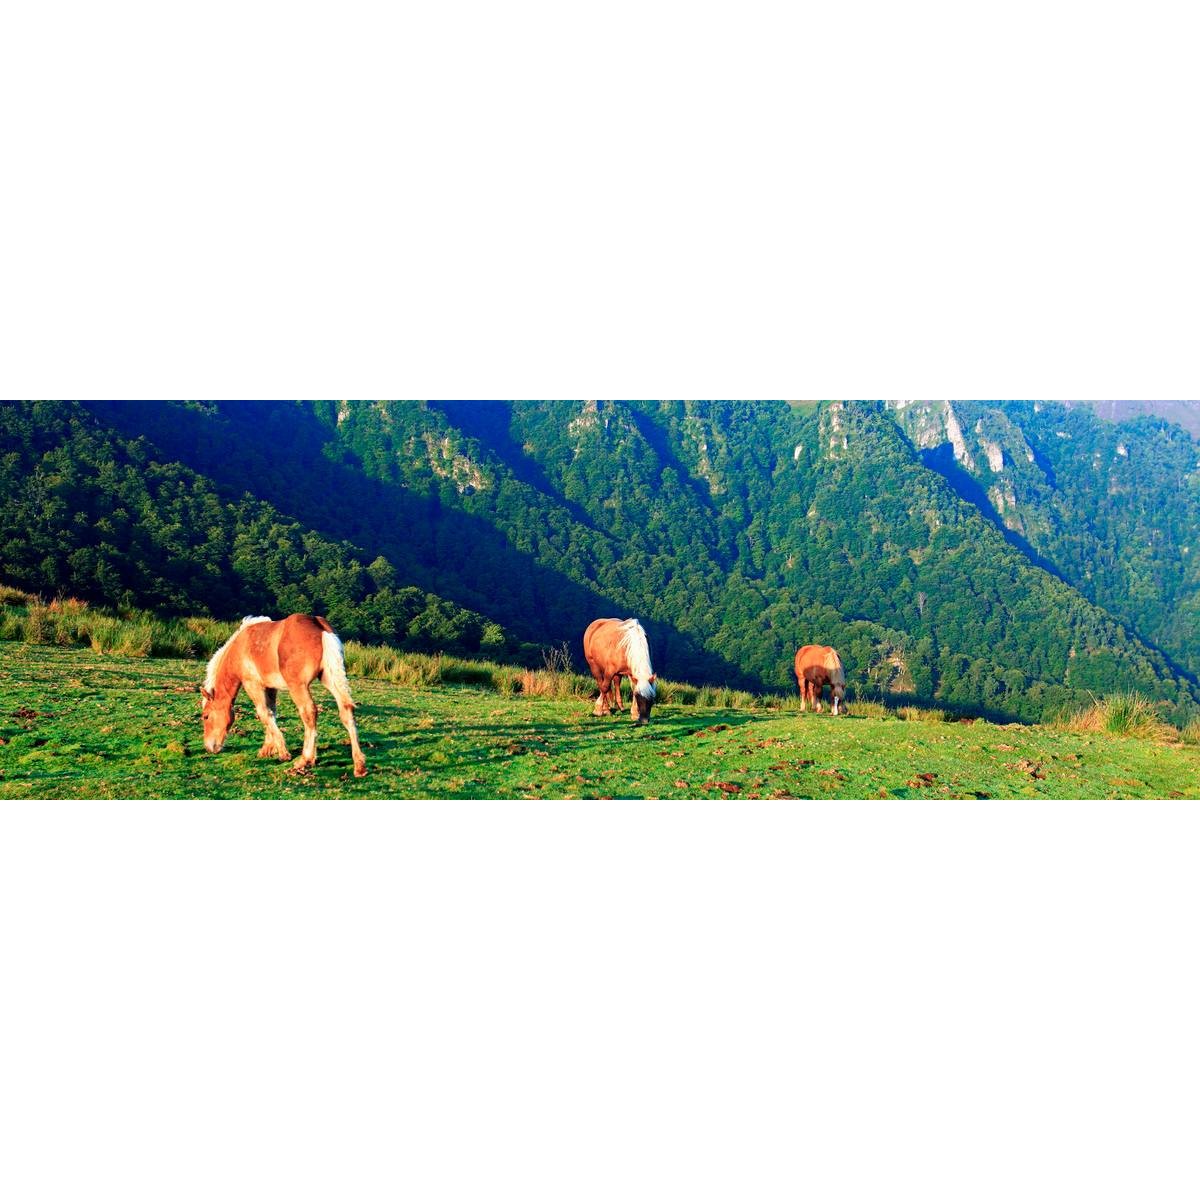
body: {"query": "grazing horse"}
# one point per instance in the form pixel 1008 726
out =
pixel 817 666
pixel 264 656
pixel 614 648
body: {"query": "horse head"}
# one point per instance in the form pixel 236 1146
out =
pixel 644 695
pixel 218 718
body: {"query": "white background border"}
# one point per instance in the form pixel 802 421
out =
pixel 539 1000
pixel 536 199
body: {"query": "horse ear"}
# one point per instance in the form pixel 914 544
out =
pixel 653 678
pixel 205 692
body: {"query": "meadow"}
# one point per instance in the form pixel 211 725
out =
pixel 77 723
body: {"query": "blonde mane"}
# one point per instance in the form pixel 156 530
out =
pixel 214 663
pixel 637 654
pixel 833 664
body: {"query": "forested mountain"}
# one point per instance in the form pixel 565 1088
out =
pixel 1011 557
pixel 1114 509
pixel 86 512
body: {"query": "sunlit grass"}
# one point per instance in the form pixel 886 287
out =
pixel 74 723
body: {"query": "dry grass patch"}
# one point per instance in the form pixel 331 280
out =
pixel 15 596
pixel 1126 714
pixel 935 716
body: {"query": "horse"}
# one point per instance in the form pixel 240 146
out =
pixel 264 656
pixel 817 666
pixel 614 648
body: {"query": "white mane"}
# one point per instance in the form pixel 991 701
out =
pixel 833 664
pixel 214 663
pixel 637 654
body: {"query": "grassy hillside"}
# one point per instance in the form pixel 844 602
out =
pixel 735 532
pixel 76 724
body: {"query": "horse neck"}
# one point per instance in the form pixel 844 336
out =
pixel 637 657
pixel 228 682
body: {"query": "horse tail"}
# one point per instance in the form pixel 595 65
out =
pixel 324 624
pixel 333 664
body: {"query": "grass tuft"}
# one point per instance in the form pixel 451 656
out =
pixel 14 596
pixel 1126 714
pixel 910 712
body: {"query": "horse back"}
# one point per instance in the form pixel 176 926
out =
pixel 600 633
pixel 285 653
pixel 600 643
pixel 809 656
pixel 819 663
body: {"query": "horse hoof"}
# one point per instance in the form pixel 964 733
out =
pixel 266 752
pixel 360 769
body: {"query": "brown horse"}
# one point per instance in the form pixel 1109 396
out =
pixel 264 656
pixel 615 648
pixel 816 667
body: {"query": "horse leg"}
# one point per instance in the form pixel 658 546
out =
pixel 301 694
pixel 803 694
pixel 602 682
pixel 263 700
pixel 615 692
pixel 818 694
pixel 346 713
pixel 281 750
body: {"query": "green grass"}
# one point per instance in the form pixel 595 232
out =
pixel 74 724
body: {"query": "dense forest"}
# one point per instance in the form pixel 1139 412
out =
pixel 1113 509
pixel 1011 558
pixel 90 514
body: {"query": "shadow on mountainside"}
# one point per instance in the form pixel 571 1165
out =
pixel 443 550
pixel 941 461
pixel 489 422
pixel 656 438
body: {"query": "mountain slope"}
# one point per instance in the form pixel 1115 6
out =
pixel 89 513
pixel 735 531
pixel 1114 509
